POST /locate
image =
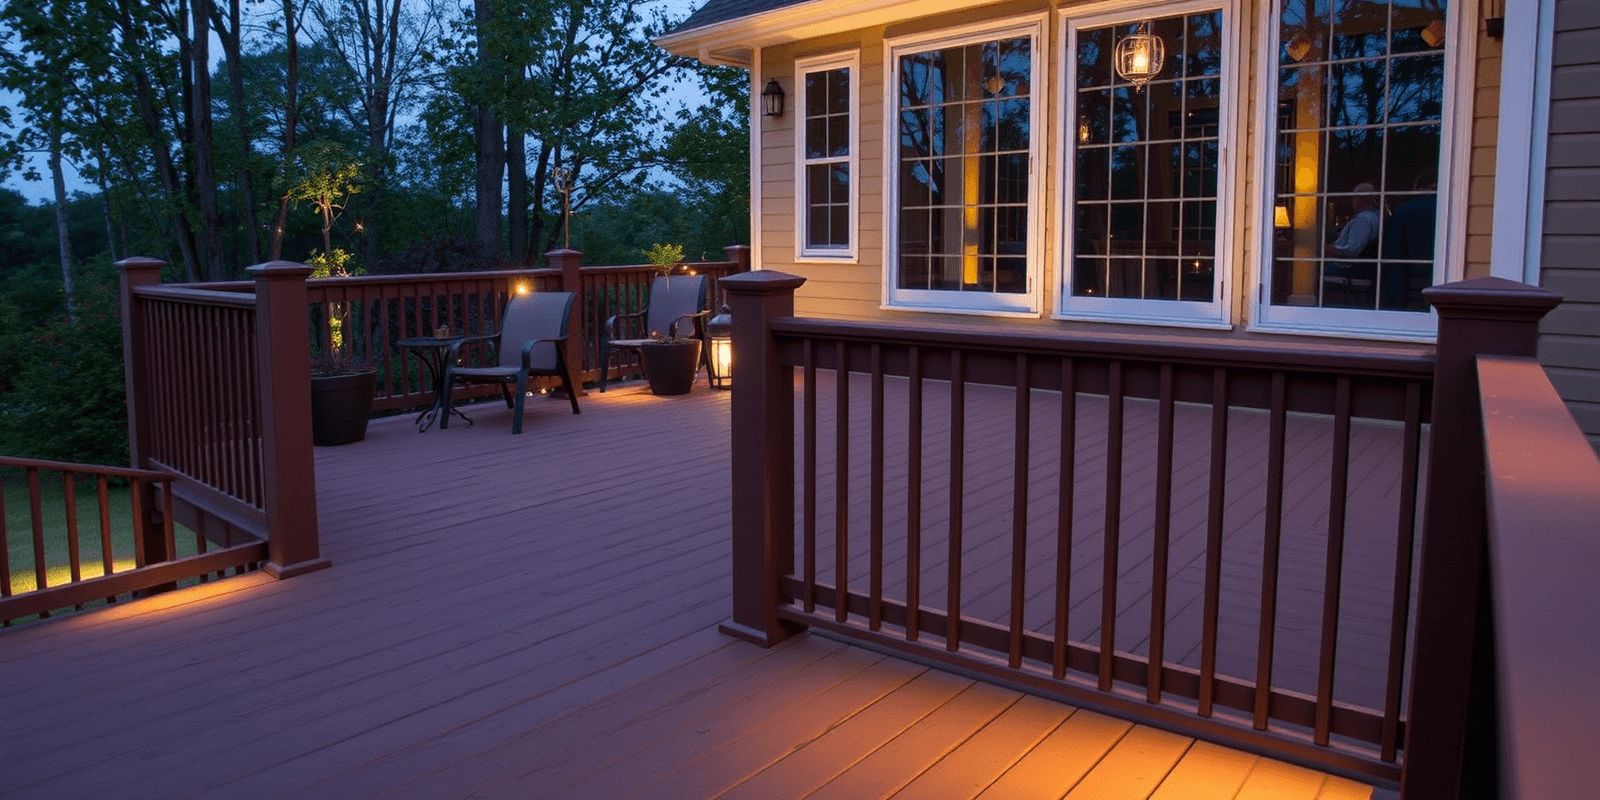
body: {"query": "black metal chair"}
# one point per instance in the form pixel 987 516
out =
pixel 530 342
pixel 673 301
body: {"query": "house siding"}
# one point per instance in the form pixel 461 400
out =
pixel 855 290
pixel 1570 335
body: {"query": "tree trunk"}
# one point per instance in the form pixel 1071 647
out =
pixel 517 195
pixel 63 241
pixel 229 33
pixel 490 135
pixel 205 168
pixel 291 115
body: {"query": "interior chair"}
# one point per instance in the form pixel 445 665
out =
pixel 530 342
pixel 678 306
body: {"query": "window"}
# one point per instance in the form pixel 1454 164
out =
pixel 826 149
pixel 1359 127
pixel 1144 169
pixel 961 234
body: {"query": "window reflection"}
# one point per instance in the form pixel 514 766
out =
pixel 1360 102
pixel 964 147
pixel 1145 168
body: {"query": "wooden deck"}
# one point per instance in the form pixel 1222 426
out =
pixel 534 617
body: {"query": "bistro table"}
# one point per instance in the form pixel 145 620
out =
pixel 432 352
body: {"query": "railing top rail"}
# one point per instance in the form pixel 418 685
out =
pixel 86 469
pixel 188 294
pixel 1543 487
pixel 1399 362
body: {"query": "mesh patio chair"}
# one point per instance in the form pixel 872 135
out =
pixel 674 302
pixel 530 342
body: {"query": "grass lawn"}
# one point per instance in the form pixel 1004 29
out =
pixel 19 530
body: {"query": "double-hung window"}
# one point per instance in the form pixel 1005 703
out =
pixel 1146 173
pixel 963 134
pixel 1358 123
pixel 827 147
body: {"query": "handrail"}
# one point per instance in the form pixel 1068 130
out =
pixel 1543 486
pixel 85 469
pixel 195 296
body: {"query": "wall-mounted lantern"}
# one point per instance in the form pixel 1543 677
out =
pixel 772 99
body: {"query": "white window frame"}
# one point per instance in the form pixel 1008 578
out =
pixel 1450 226
pixel 1180 313
pixel 1024 304
pixel 803 252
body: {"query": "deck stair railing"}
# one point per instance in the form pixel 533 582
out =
pixel 1216 539
pixel 109 551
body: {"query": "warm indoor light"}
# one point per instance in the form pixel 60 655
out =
pixel 1280 216
pixel 720 329
pixel 1433 34
pixel 1139 56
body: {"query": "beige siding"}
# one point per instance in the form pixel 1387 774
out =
pixel 1570 345
pixel 855 290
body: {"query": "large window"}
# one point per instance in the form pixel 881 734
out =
pixel 962 235
pixel 1359 127
pixel 826 146
pixel 1143 170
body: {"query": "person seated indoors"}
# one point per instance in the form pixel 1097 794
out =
pixel 1357 240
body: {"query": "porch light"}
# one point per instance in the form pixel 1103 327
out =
pixel 772 99
pixel 720 329
pixel 1494 22
pixel 1139 56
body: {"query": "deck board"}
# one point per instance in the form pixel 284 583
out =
pixel 534 616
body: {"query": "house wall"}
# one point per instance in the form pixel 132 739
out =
pixel 1569 345
pixel 855 290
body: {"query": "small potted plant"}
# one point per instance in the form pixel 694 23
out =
pixel 670 358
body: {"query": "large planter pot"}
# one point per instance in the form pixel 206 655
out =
pixel 670 366
pixel 340 406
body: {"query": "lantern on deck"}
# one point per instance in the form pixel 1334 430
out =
pixel 720 330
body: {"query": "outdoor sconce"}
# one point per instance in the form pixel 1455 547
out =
pixel 720 329
pixel 772 99
pixel 1139 56
pixel 1494 20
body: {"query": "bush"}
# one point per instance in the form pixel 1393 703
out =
pixel 64 398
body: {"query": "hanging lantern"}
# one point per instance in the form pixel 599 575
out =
pixel 720 330
pixel 1139 56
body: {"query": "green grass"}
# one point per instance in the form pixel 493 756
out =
pixel 19 530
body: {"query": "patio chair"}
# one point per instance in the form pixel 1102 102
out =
pixel 530 342
pixel 673 301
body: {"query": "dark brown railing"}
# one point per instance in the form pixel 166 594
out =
pixel 380 310
pixel 107 558
pixel 216 395
pixel 1219 539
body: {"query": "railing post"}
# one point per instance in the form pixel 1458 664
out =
pixel 762 459
pixel 1450 736
pixel 739 254
pixel 570 264
pixel 138 272
pixel 283 350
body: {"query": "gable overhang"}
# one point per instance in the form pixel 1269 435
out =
pixel 734 42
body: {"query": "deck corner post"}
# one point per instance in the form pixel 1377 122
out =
pixel 283 351
pixel 1450 738
pixel 570 262
pixel 135 272
pixel 762 460
pixel 739 256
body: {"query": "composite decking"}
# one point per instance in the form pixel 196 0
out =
pixel 534 617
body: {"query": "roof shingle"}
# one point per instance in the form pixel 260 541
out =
pixel 715 11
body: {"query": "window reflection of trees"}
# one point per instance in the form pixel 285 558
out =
pixel 964 146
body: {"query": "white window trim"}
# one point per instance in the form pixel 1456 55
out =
pixel 1215 314
pixel 829 255
pixel 1026 304
pixel 1450 235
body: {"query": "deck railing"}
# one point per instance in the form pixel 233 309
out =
pixel 1121 527
pixel 118 552
pixel 376 311
pixel 216 394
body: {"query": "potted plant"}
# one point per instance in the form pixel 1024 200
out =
pixel 669 360
pixel 341 383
